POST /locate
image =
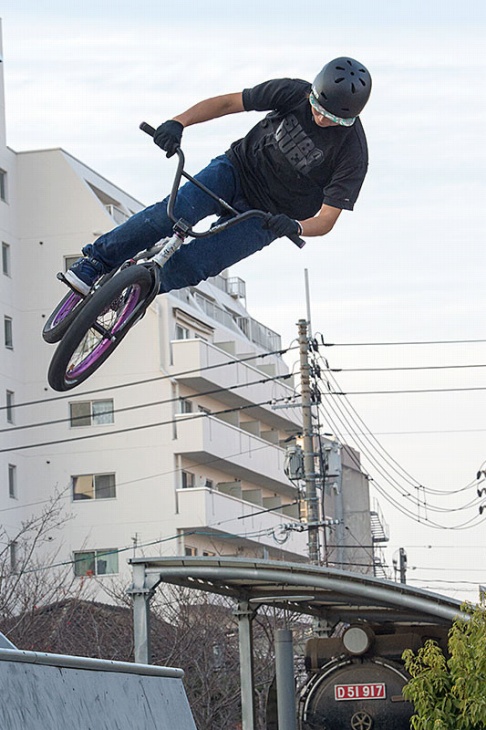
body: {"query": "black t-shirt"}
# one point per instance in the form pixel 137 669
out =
pixel 287 163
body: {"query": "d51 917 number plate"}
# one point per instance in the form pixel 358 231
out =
pixel 371 691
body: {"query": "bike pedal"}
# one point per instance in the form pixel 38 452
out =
pixel 60 276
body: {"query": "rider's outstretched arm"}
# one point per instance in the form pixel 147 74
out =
pixel 217 106
pixel 168 135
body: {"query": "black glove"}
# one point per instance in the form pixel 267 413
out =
pixel 282 225
pixel 168 136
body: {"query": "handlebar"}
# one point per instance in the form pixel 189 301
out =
pixel 237 217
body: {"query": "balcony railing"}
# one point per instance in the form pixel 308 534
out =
pixel 215 312
pixel 259 334
pixel 239 454
pixel 254 331
pixel 205 366
pixel 205 508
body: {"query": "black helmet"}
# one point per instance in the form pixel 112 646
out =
pixel 343 87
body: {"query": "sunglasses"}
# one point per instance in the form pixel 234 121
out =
pixel 320 110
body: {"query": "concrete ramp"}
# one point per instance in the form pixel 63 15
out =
pixel 55 692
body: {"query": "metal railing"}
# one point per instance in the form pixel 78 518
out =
pixel 214 311
pixel 259 334
pixel 254 331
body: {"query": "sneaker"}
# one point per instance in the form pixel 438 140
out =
pixel 83 274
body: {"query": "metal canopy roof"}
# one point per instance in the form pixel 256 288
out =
pixel 333 595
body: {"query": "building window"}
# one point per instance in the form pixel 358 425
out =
pixel 208 483
pixel 185 406
pixel 12 481
pixel 3 185
pixel 69 261
pixel 6 259
pixel 9 402
pixel 187 479
pixel 190 550
pixel 13 556
pixel 182 333
pixel 91 413
pixel 94 486
pixel 8 332
pixel 96 562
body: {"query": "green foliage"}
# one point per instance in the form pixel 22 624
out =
pixel 450 693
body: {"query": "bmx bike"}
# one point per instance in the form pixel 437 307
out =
pixel 89 327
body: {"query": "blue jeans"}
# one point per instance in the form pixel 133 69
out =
pixel 202 257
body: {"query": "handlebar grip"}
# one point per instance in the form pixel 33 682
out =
pixel 147 128
pixel 297 240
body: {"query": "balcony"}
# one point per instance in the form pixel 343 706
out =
pixel 223 514
pixel 208 367
pixel 259 334
pixel 241 455
pixel 254 331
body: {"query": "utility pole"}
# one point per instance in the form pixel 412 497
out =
pixel 400 565
pixel 308 446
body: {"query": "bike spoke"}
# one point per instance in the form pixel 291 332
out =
pixel 103 322
pixel 103 332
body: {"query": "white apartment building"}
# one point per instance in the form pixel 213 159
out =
pixel 138 450
pixel 174 446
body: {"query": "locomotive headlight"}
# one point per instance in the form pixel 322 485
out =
pixel 357 639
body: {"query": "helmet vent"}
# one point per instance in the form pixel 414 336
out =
pixel 353 89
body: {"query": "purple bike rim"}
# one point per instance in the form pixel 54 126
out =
pixel 67 308
pixel 106 343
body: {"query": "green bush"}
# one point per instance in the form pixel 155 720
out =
pixel 449 693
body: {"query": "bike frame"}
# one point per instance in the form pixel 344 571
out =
pixel 88 328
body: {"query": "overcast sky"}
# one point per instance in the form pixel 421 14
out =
pixel 408 265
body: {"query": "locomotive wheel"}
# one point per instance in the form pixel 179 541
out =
pixel 361 721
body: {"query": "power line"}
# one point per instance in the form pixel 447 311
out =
pixel 395 343
pixel 388 457
pixel 159 541
pixel 394 464
pixel 166 401
pixel 426 521
pixel 407 391
pixel 148 380
pixel 389 461
pixel 403 368
pixel 145 426
pixel 150 476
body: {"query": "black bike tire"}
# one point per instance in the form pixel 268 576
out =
pixel 100 300
pixel 53 333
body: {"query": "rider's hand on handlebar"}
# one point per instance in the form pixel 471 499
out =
pixel 282 225
pixel 168 136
